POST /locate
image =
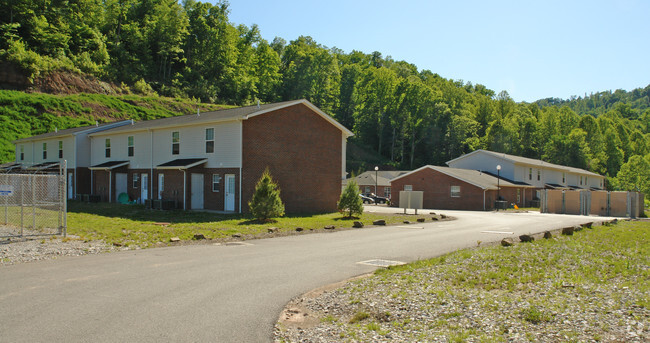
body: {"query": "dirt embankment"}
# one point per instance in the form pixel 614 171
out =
pixel 59 82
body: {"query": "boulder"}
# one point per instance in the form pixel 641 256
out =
pixel 199 236
pixel 299 229
pixel 433 213
pixel 548 235
pixel 357 225
pixel 236 235
pixel 568 231
pixel 174 239
pixel 273 229
pixel 526 238
pixel 587 225
pixel 420 220
pixel 434 218
pixel 577 228
pixel 407 222
pixel 443 216
pixel 330 227
pixel 379 222
pixel 507 242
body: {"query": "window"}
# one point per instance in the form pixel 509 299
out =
pixel 563 178
pixel 216 179
pixel 539 173
pixel 587 180
pixel 108 148
pixel 176 143
pixel 518 195
pixel 455 191
pixel 367 189
pixel 60 149
pixel 387 192
pixel 408 187
pixel 131 148
pixel 530 173
pixel 22 152
pixel 580 180
pixel 136 180
pixel 209 140
pixel 45 151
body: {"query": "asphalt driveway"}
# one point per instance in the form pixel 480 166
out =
pixel 221 293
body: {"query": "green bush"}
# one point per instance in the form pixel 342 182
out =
pixel 266 202
pixel 350 200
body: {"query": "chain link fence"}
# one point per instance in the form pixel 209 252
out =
pixel 33 200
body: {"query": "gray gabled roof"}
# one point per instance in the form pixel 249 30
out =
pixel 72 131
pixel 383 178
pixel 474 177
pixel 526 161
pixel 239 113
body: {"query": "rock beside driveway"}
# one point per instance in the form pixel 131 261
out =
pixel 379 222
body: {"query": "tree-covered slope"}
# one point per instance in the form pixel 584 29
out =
pixel 24 114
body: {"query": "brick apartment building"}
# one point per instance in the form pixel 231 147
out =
pixel 460 189
pixel 213 160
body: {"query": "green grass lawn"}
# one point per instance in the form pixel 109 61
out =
pixel 592 286
pixel 133 225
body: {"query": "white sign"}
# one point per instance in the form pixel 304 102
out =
pixel 6 189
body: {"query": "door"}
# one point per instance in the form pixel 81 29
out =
pixel 197 191
pixel 120 184
pixel 230 193
pixel 70 186
pixel 144 187
pixel 161 185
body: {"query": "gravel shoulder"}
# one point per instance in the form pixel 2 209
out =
pixel 582 288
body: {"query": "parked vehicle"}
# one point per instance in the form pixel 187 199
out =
pixel 377 199
pixel 366 200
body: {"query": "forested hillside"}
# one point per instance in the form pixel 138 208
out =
pixel 411 117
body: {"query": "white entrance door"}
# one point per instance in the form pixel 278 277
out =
pixel 70 186
pixel 161 185
pixel 121 184
pixel 144 187
pixel 197 191
pixel 230 193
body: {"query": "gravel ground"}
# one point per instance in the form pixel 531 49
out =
pixel 35 248
pixel 432 304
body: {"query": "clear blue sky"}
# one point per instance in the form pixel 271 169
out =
pixel 533 50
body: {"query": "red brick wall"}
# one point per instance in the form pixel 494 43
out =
pixel 135 192
pixel 172 188
pixel 303 153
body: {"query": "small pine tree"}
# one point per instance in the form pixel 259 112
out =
pixel 266 202
pixel 350 200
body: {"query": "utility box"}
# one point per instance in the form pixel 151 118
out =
pixel 411 199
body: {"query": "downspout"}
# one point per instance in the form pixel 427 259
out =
pixel 151 170
pixel 110 186
pixel 241 159
pixel 184 186
pixel 74 154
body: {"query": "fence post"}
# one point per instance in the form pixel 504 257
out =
pixel 563 202
pixel 7 201
pixel 609 205
pixel 22 206
pixel 33 202
pixel 64 199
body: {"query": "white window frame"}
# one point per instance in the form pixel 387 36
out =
pixel 107 145
pixel 530 174
pixel 454 191
pixel 408 187
pixel 209 141
pixel 130 146
pixel 216 181
pixel 44 150
pixel 387 192
pixel 136 180
pixel 176 141
pixel 60 149
pixel 22 152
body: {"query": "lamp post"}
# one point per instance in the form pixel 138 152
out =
pixel 376 169
pixel 498 185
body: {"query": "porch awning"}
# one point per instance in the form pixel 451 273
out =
pixel 109 165
pixel 6 167
pixel 182 163
pixel 43 166
pixel 555 186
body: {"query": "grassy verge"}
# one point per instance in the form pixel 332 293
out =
pixel 133 225
pixel 593 286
